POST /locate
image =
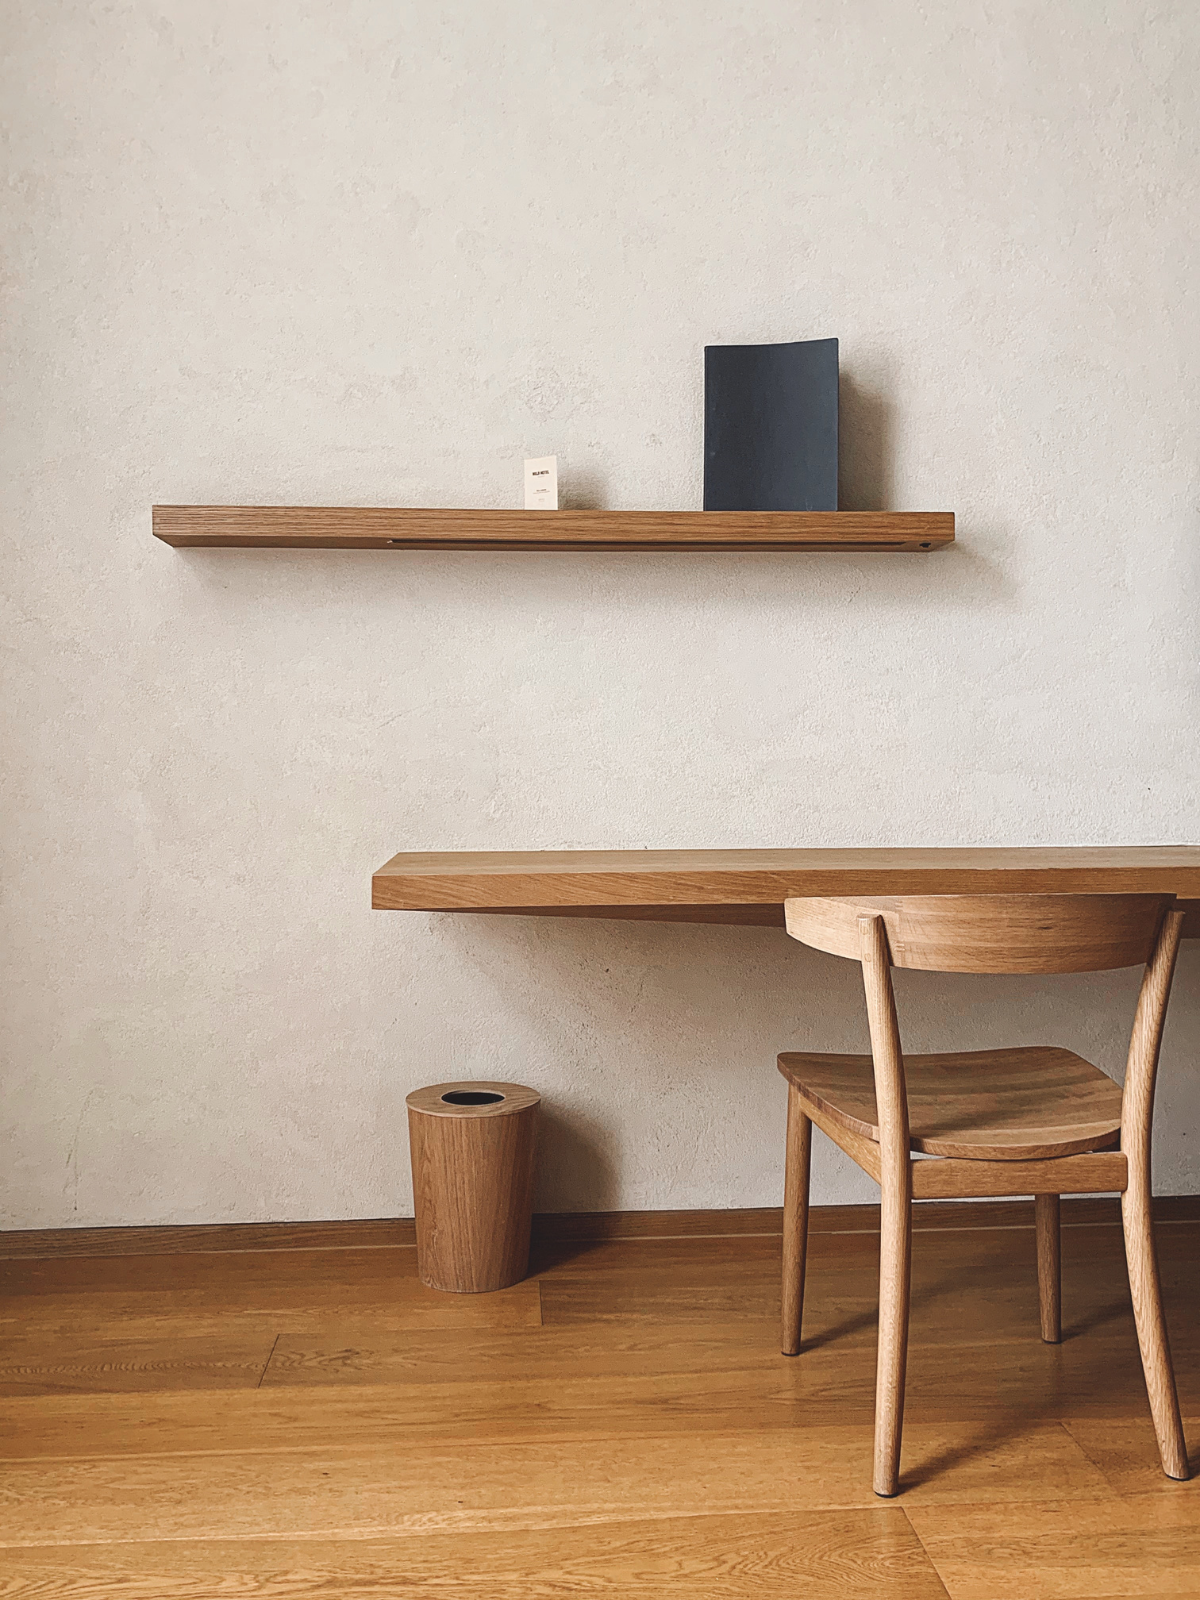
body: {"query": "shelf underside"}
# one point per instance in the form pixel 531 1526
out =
pixel 379 528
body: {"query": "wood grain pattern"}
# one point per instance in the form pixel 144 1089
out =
pixel 853 1554
pixel 644 1334
pixel 635 1445
pixel 1030 1104
pixel 473 1170
pixel 381 528
pixel 731 916
pixel 220 1238
pixel 1126 1452
pixel 992 1389
pixel 617 1319
pixel 277 1289
pixel 686 885
pixel 111 1360
pixel 1047 1223
pixel 354 1354
pixel 1043 933
pixel 1136 1124
pixel 895 1214
pixel 797 1171
pixel 1039 1119
pixel 1144 1547
pixel 857 1146
pixel 566 1227
pixel 415 1490
pixel 1099 1172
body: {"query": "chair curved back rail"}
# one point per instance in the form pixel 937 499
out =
pixel 1002 933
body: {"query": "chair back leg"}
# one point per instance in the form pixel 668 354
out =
pixel 797 1165
pixel 1049 1265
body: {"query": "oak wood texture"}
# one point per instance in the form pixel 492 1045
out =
pixel 570 1227
pixel 1099 1172
pixel 414 1482
pixel 797 1171
pixel 851 1553
pixel 473 1169
pixel 208 1238
pixel 380 528
pixel 1104 1172
pixel 987 1120
pixel 896 1192
pixel 646 1288
pixel 1029 1104
pixel 1114 1549
pixel 1126 1452
pixel 146 1295
pixel 1047 1222
pixel 108 1358
pixel 222 1238
pixel 1002 933
pixel 1136 1215
pixel 749 887
pixel 629 1441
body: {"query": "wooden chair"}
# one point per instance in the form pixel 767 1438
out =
pixel 1037 1121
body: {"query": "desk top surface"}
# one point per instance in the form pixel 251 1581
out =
pixel 750 886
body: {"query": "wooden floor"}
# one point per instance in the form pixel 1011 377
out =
pixel 312 1422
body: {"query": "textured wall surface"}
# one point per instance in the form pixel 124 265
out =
pixel 377 253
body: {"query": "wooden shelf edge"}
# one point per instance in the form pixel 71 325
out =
pixel 749 887
pixel 380 528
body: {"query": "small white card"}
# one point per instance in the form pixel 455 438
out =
pixel 541 484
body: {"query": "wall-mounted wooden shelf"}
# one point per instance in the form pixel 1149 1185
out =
pixel 375 528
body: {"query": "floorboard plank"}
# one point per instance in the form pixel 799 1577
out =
pixel 851 1554
pixel 1126 1453
pixel 272 1286
pixel 1066 1551
pixel 826 1388
pixel 108 1361
pixel 347 1491
pixel 619 1424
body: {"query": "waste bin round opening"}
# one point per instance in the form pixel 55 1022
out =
pixel 472 1097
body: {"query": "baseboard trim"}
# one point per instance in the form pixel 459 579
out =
pixel 559 1227
pixel 209 1238
pixel 1077 1211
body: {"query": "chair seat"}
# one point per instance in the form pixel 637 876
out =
pixel 985 1105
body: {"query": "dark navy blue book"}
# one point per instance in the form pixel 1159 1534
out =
pixel 771 426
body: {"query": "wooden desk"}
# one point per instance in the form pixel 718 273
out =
pixel 748 887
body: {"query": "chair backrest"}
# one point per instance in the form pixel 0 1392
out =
pixel 1001 933
pixel 990 933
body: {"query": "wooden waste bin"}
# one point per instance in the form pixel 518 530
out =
pixel 472 1150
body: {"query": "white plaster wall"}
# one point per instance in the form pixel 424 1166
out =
pixel 376 253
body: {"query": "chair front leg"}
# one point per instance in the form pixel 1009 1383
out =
pixel 895 1266
pixel 797 1163
pixel 1137 1114
pixel 1146 1295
